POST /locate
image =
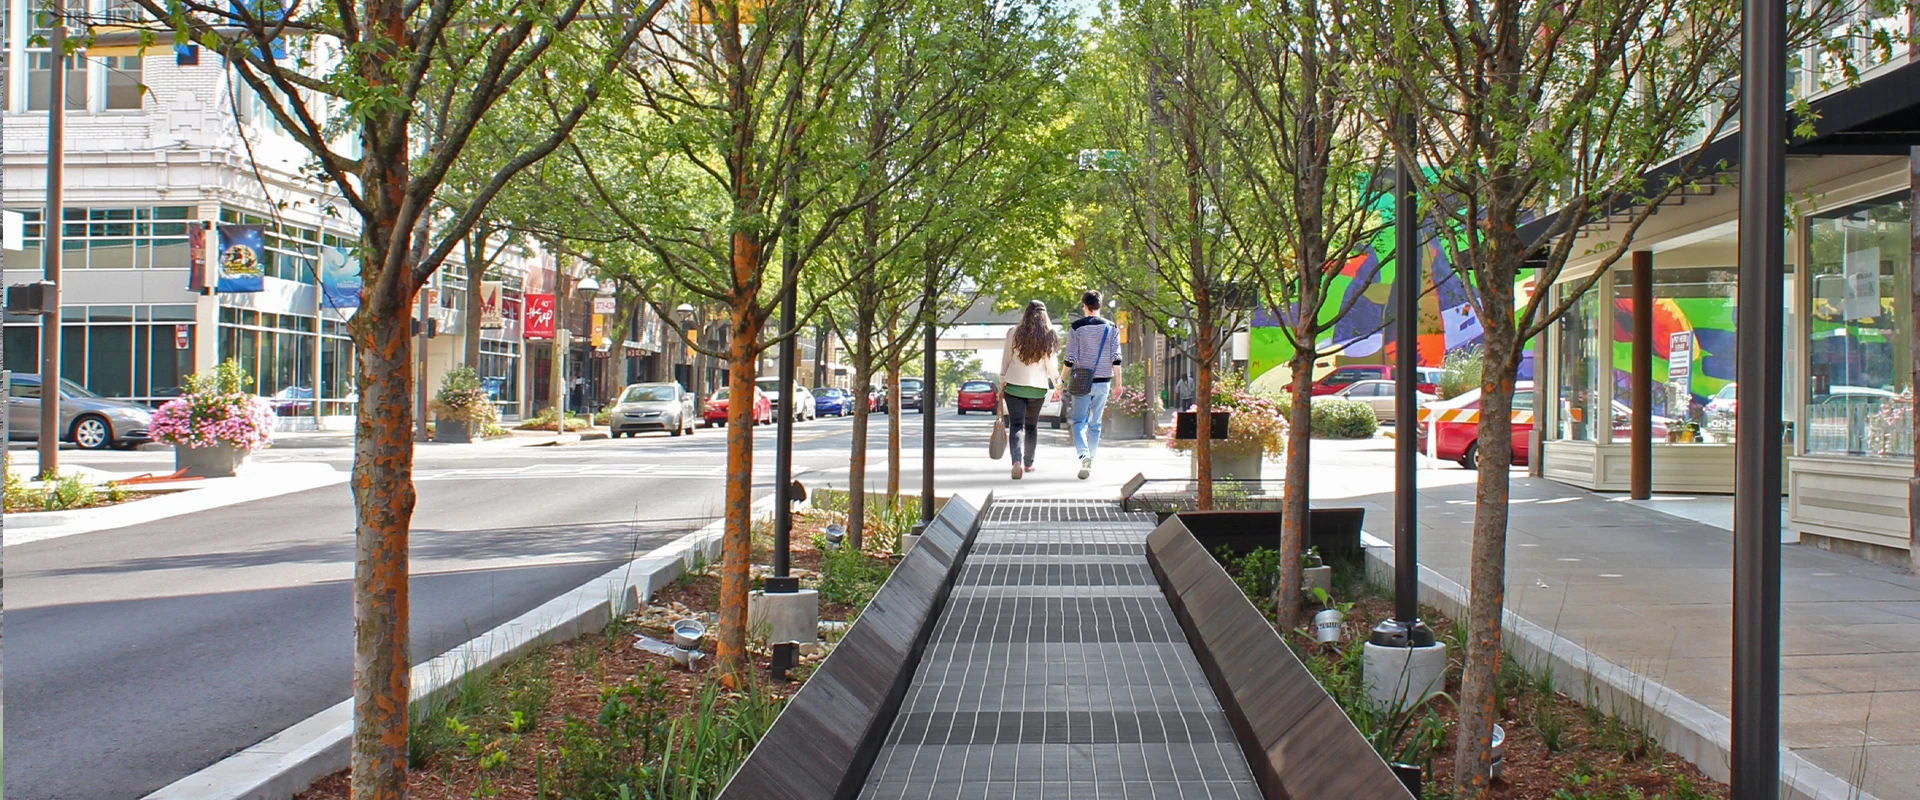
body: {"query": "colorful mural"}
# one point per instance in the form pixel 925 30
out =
pixel 1447 320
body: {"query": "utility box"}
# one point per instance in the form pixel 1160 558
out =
pixel 31 298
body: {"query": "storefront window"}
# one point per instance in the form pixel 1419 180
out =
pixel 1859 355
pixel 117 351
pixel 1693 310
pixel 1579 393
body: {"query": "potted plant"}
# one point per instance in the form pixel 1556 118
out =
pixel 215 423
pixel 461 408
pixel 1683 432
pixel 1256 432
pixel 1126 413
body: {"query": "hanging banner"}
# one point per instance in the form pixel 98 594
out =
pixel 242 261
pixel 339 278
pixel 196 258
pixel 536 316
pixel 493 309
pixel 1860 285
pixel 599 332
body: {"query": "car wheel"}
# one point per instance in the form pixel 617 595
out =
pixel 92 433
pixel 1470 458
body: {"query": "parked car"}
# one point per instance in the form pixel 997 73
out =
pixel 803 403
pixel 1053 410
pixel 910 394
pixel 714 412
pixel 978 396
pixel 1378 394
pixel 1352 373
pixel 652 407
pixel 828 401
pixel 1458 440
pixel 1427 379
pixel 1719 414
pixel 86 419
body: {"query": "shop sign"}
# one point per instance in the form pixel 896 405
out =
pixel 242 261
pixel 180 341
pixel 605 305
pixel 1861 289
pixel 1680 361
pixel 493 312
pixel 536 318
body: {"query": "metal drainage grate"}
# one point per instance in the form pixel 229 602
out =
pixel 1061 727
pixel 1057 575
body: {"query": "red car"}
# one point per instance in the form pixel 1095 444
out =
pixel 979 396
pixel 1457 439
pixel 714 411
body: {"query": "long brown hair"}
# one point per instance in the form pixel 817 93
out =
pixel 1035 338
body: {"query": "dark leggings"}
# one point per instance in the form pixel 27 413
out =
pixel 1023 422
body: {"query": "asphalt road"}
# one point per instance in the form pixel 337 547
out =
pixel 139 655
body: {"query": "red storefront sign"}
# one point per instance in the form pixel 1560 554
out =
pixel 536 316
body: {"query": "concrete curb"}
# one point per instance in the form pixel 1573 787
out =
pixel 1683 726
pixel 290 761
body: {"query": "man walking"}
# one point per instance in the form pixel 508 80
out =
pixel 1183 393
pixel 1093 345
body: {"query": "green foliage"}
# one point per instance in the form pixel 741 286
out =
pixel 1340 418
pixel 1256 573
pixel 65 493
pixel 1460 372
pixel 547 419
pixel 849 576
pixel 462 398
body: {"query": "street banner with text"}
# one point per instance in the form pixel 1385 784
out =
pixel 339 278
pixel 493 310
pixel 536 320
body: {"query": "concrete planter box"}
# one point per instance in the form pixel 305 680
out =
pixel 1231 461
pixel 452 431
pixel 1124 426
pixel 218 461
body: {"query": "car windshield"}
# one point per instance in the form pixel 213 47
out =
pixel 827 392
pixel 75 390
pixel 770 387
pixel 720 394
pixel 976 386
pixel 910 383
pixel 647 394
pixel 1726 392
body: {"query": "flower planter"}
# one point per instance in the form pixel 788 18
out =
pixel 1124 426
pixel 217 461
pixel 452 431
pixel 1230 461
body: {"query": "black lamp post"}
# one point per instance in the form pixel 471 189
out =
pixel 1405 628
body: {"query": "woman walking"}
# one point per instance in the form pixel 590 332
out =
pixel 1029 370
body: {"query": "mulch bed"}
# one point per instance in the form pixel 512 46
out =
pixel 578 671
pixel 1597 758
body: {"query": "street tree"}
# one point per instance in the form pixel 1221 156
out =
pixel 1303 164
pixel 1153 227
pixel 1532 120
pixel 350 83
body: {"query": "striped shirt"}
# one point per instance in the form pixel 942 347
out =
pixel 1084 347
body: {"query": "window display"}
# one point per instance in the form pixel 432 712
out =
pixel 1860 358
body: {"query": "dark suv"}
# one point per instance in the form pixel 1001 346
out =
pixel 910 394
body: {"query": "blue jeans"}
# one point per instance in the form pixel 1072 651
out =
pixel 1087 410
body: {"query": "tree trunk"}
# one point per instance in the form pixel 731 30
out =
pixel 1295 497
pixel 383 499
pixel 736 544
pixel 1203 440
pixel 1487 581
pixel 893 432
pixel 857 460
pixel 476 247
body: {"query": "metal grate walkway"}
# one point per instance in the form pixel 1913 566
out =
pixel 1058 671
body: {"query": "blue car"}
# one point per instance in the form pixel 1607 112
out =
pixel 830 402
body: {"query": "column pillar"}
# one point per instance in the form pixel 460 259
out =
pixel 1641 478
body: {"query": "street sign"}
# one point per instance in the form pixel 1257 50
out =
pixel 180 338
pixel 16 230
pixel 1679 356
pixel 605 305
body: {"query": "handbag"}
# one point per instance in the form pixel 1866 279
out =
pixel 1080 379
pixel 997 443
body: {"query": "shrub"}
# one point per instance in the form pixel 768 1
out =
pixel 1459 372
pixel 849 576
pixel 462 399
pixel 1339 418
pixel 546 420
pixel 215 408
pixel 1132 402
pixel 1254 419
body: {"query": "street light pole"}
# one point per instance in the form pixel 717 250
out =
pixel 929 391
pixel 51 249
pixel 1755 739
pixel 783 447
pixel 1406 629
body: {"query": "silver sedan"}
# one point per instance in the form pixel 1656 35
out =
pixel 1378 394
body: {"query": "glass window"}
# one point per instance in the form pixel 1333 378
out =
pixel 124 83
pixel 1579 390
pixel 110 360
pixel 25 390
pixel 1859 358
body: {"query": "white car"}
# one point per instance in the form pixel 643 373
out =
pixel 1377 394
pixel 1053 410
pixel 803 406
